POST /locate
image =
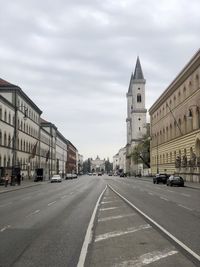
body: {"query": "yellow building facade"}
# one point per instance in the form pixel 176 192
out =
pixel 175 125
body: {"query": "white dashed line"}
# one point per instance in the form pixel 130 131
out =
pixel 151 194
pixel 148 258
pixel 51 203
pixel 185 195
pixel 119 233
pixel 182 206
pixel 115 217
pixel 33 213
pixel 163 198
pixel 4 228
pixel 64 196
pixel 111 208
pixel 170 191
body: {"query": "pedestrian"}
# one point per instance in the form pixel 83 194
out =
pixel 22 176
pixel 19 179
pixel 12 182
pixel 6 180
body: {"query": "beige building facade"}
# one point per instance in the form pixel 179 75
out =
pixel 175 125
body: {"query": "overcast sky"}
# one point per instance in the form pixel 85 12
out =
pixel 74 59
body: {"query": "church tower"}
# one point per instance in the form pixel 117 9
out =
pixel 136 112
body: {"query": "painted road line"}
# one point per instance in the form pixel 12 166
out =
pixel 150 193
pixel 5 227
pixel 64 196
pixel 148 258
pixel 163 198
pixel 51 203
pixel 111 208
pixel 33 213
pixel 176 240
pixel 170 191
pixel 111 201
pixel 185 195
pixel 182 206
pixel 88 235
pixel 116 217
pixel 120 233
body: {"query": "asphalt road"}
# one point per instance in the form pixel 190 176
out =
pixel 46 225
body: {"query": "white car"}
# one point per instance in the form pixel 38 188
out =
pixel 56 178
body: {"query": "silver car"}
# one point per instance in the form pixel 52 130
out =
pixel 56 178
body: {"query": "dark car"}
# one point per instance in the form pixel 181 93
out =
pixel 175 180
pixel 160 178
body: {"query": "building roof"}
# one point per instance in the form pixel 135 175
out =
pixel 5 83
pixel 138 74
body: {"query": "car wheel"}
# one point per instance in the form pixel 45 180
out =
pixel 171 184
pixel 167 184
pixel 154 182
pixel 157 182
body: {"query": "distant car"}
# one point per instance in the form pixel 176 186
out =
pixel 160 178
pixel 56 178
pixel 99 173
pixel 122 174
pixel 110 174
pixel 175 180
pixel 90 173
pixel 94 173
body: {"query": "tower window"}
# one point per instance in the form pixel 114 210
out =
pixel 139 119
pixel 139 98
pixel 139 88
pixel 139 128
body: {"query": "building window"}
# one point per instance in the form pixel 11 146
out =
pixel 139 98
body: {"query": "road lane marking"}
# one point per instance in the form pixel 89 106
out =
pixel 111 208
pixel 88 235
pixel 185 195
pixel 182 206
pixel 33 213
pixel 51 203
pixel 5 227
pixel 181 244
pixel 115 217
pixel 64 196
pixel 163 198
pixel 151 194
pixel 148 258
pixel 170 191
pixel 119 233
pixel 111 201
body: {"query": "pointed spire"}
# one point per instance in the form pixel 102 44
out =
pixel 138 75
pixel 129 89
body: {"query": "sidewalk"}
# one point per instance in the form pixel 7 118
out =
pixel 24 184
pixel 150 179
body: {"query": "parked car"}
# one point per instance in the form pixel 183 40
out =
pixel 160 178
pixel 56 178
pixel 175 180
pixel 99 173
